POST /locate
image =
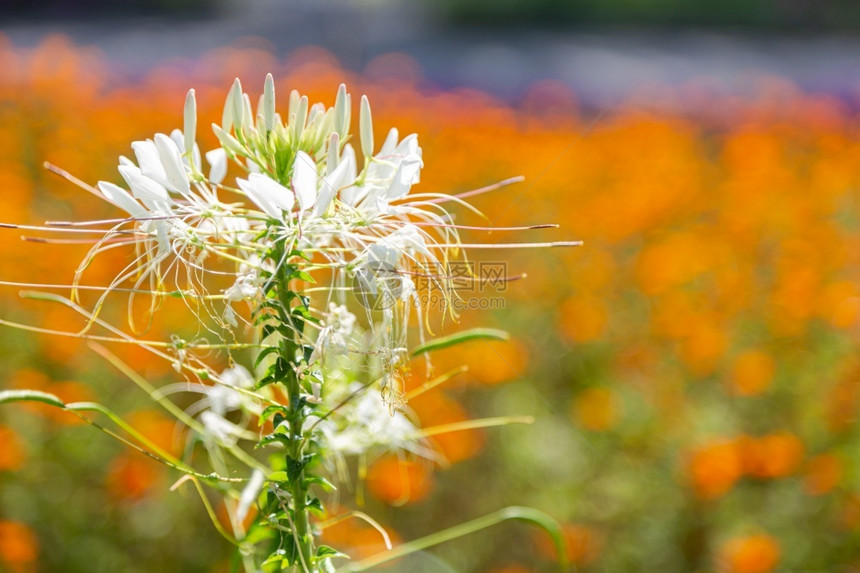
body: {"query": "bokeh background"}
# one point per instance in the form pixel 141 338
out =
pixel 693 368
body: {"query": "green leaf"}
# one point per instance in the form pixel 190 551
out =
pixel 320 481
pixel 324 551
pixel 272 438
pixel 302 275
pixel 263 353
pixel 276 558
pixel 316 506
pixel 527 514
pixel 271 411
pixel 459 338
pixel 30 396
pixel 296 467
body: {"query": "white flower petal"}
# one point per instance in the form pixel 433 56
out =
pixel 403 179
pixel 220 429
pixel 230 316
pixel 249 495
pixel 269 195
pixel 149 160
pixel 332 153
pixel 268 103
pixel 171 159
pixel 352 194
pixel 152 194
pixel 217 159
pixel 305 180
pixel 390 143
pixel 189 128
pixel 365 126
pixel 122 199
pixel 343 175
pixel 409 146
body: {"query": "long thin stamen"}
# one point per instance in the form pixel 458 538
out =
pixel 479 191
pixel 69 177
pixel 52 229
pixel 505 245
pixel 484 228
pixel 48 241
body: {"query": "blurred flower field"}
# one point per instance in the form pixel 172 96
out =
pixel 692 368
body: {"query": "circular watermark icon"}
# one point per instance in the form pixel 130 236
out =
pixel 377 285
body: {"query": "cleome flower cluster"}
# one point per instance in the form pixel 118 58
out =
pixel 269 240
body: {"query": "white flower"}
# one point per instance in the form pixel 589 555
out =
pixel 246 287
pixel 366 424
pixel 218 400
pixel 249 495
pixel 389 175
pixel 220 429
pixel 122 199
pixel 305 180
pixel 222 398
pixel 217 159
pixel 248 281
pixel 341 177
pixel 269 195
pixel 337 328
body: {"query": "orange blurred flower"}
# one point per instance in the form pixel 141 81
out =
pixel 159 429
pixel 355 537
pixel 596 409
pixel 132 476
pixel 583 319
pixel 582 544
pixel 823 473
pixel 489 362
pixel 436 409
pixel 397 481
pixel 714 468
pixel 839 304
pixel 19 547
pixel 750 554
pixel 672 262
pixel 497 361
pixel 12 453
pixel 704 346
pixel 773 456
pixel 752 373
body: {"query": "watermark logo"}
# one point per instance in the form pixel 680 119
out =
pixel 377 285
pixel 457 285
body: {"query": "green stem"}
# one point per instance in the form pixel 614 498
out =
pixel 299 491
pixel 291 353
